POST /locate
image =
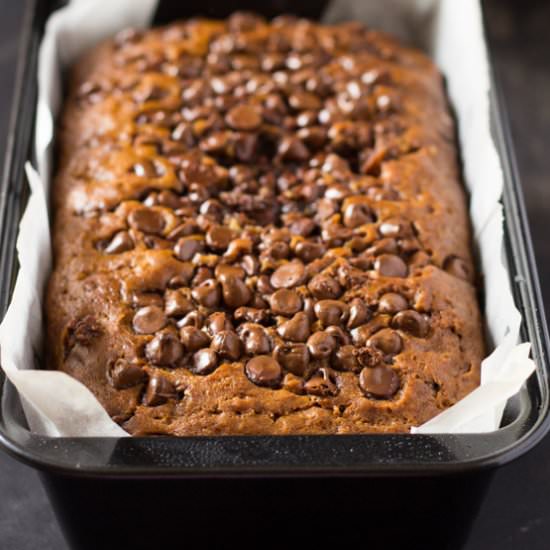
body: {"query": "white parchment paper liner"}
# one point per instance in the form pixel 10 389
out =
pixel 451 31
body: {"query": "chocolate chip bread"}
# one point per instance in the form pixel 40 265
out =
pixel 260 229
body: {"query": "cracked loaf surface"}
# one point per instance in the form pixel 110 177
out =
pixel 260 229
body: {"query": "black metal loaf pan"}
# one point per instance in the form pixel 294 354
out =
pixel 268 491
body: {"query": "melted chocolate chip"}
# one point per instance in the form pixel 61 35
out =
pixel 359 313
pixel 159 391
pixel 255 339
pixel 219 237
pixel 321 345
pixel 412 322
pixel 381 382
pixel 244 117
pixel 187 247
pixel 177 304
pixel 217 322
pixel 285 302
pixel 193 339
pixel 322 384
pixel 324 287
pixel 387 341
pixel 357 214
pixel 164 349
pixel 345 358
pixel 149 319
pixel 391 302
pixel 205 361
pixel 235 292
pixel 296 329
pixel 389 265
pixel 331 312
pixel 207 293
pixel 147 220
pixel 126 375
pixel 263 370
pixel 293 357
pixel 227 344
pixel 289 275
pixel 121 242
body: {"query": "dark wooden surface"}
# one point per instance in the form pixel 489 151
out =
pixel 516 512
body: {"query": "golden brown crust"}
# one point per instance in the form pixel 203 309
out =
pixel 148 135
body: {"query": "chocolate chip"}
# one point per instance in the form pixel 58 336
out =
pixel 381 382
pixel 121 242
pixel 145 169
pixel 359 313
pixel 177 304
pixel 302 101
pixel 255 339
pixel 187 247
pixel 217 322
pixel 395 228
pixel 192 319
pixel 324 287
pixel 293 357
pixel 205 361
pixel 391 302
pixel 383 246
pixel 219 237
pixel 296 329
pixel 235 292
pixel 164 349
pixel 321 345
pixel 369 356
pixel 321 384
pixel 207 293
pixel 285 302
pixel 342 337
pixel 149 319
pixel 142 299
pixel 251 314
pixel 303 227
pixel 223 271
pixel 263 286
pixel 227 344
pixel 203 273
pixel 125 375
pixel 213 209
pixel 389 265
pixel 292 149
pixel 193 339
pixel 331 312
pixel 387 341
pixel 357 214
pixel 250 264
pixel 147 220
pixel 345 358
pixel 277 251
pixel 244 117
pixel 263 370
pixel 308 251
pixel 159 390
pixel 412 322
pixel 289 275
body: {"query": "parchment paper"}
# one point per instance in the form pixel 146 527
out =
pixel 451 32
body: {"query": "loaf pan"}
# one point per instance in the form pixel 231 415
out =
pixel 266 491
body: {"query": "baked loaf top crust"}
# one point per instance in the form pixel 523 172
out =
pixel 260 229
